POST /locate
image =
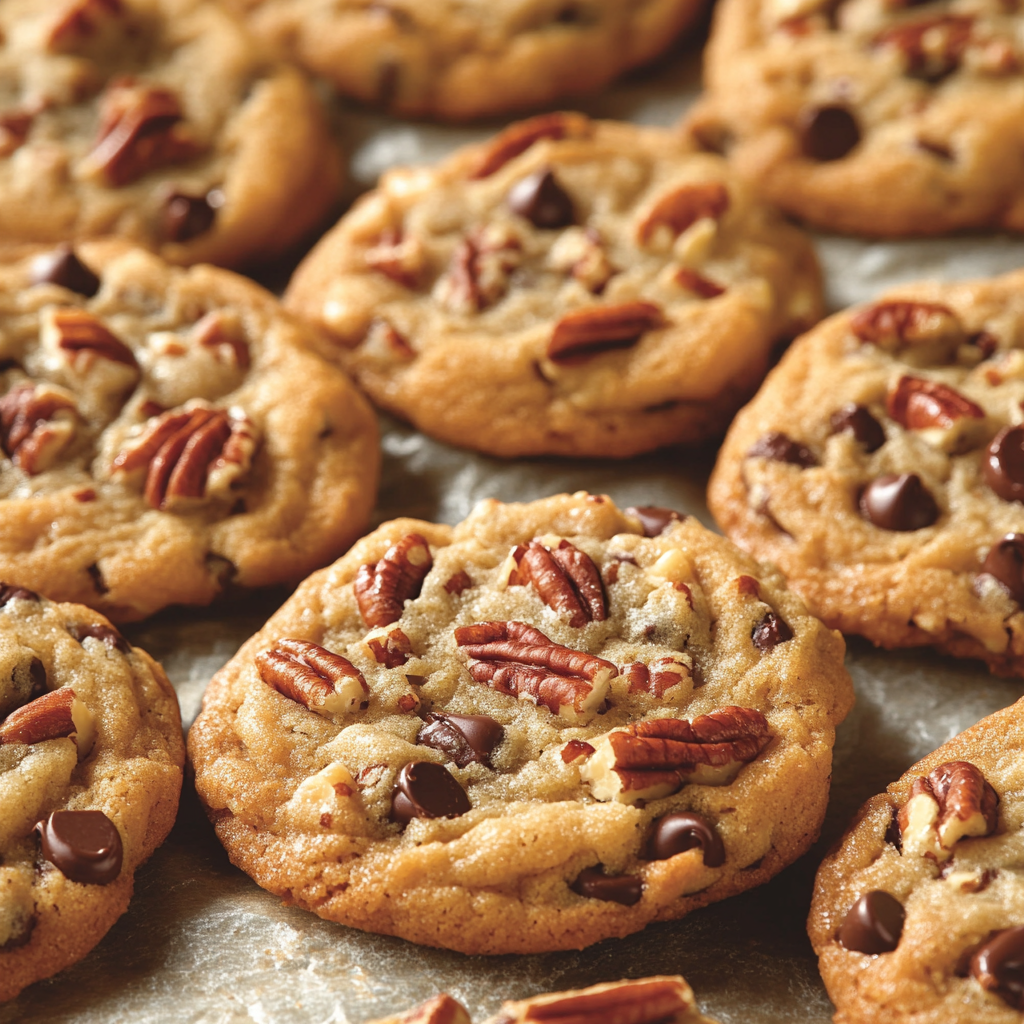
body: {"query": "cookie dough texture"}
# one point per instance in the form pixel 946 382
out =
pixel 921 107
pixel 162 121
pixel 132 773
pixel 455 60
pixel 497 878
pixel 86 381
pixel 951 909
pixel 569 287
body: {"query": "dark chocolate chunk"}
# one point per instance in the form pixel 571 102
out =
pixel 866 430
pixel 540 199
pixel 771 631
pixel 9 592
pixel 681 831
pixel 81 630
pixel 654 519
pixel 1004 464
pixel 62 267
pixel 893 833
pixel 96 575
pixel 427 790
pixel 898 503
pixel 84 845
pixel 186 217
pixel 873 924
pixel 465 738
pixel 596 885
pixel 780 448
pixel 828 133
pixel 999 966
pixel 1005 561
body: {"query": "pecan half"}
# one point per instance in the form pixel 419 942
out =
pixel 566 579
pixel 480 270
pixel 932 47
pixel 14 128
pixel 81 20
pixel 82 338
pixel 56 714
pixel 683 206
pixel 401 259
pixel 585 333
pixel 918 404
pixel 894 324
pixel 952 802
pixel 388 647
pixel 653 759
pixel 518 138
pixel 317 678
pixel 37 422
pixel 669 679
pixel 518 659
pixel 383 588
pixel 442 1009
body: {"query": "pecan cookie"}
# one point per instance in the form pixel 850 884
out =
pixel 91 757
pixel 458 59
pixel 918 914
pixel 876 117
pixel 570 287
pixel 881 468
pixel 156 120
pixel 164 432
pixel 552 724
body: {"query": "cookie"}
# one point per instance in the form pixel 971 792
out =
pixel 161 121
pixel 552 724
pixel 164 432
pixel 569 287
pixel 91 757
pixel 881 468
pixel 918 914
pixel 868 116
pixel 459 59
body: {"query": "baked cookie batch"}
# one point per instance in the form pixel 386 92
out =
pixel 628 713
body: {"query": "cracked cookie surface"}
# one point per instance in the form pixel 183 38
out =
pixel 881 468
pixel 422 743
pixel 164 432
pixel 91 746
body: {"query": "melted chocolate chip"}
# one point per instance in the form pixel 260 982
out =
pixel 828 133
pixel 596 885
pixel 62 267
pixel 81 630
pixel 186 217
pixel 1005 562
pixel 540 199
pixel 893 834
pixel 465 738
pixel 40 684
pixel 856 419
pixel 1003 466
pixel 427 790
pixel 780 448
pixel 898 503
pixel 999 966
pixel 9 592
pixel 681 831
pixel 84 845
pixel 654 519
pixel 771 631
pixel 873 924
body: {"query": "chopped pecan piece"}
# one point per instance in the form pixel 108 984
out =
pixel 566 579
pixel 919 404
pixel 575 749
pixel 585 333
pixel 952 802
pixel 223 336
pixel 517 659
pixel 82 338
pixel 382 589
pixel 54 715
pixel 388 647
pixel 37 422
pixel 669 679
pixel 81 20
pixel 894 324
pixel 317 678
pixel 480 269
pixel 931 47
pixel 677 210
pixel 653 759
pixel 518 138
pixel 581 252
pixel 401 259
pixel 384 343
pixel 697 283
pixel 458 582
pixel 14 128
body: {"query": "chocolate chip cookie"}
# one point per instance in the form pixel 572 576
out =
pixel 164 432
pixel 552 724
pixel 161 121
pixel 91 757
pixel 918 915
pixel 873 117
pixel 570 287
pixel 881 468
pixel 458 59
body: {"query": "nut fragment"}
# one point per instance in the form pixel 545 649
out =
pixel 389 647
pixel 575 749
pixel 894 324
pixel 382 589
pixel 700 285
pixel 480 270
pixel 54 715
pixel 442 1009
pixel 675 211
pixel 518 138
pixel 224 337
pixel 566 579
pixel 919 404
pixel 82 339
pixel 37 422
pixel 668 679
pixel 931 47
pixel 317 678
pixel 585 333
pixel 656 758
pixel 14 128
pixel 81 20
pixel 397 257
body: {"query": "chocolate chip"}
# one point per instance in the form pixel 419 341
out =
pixel 96 575
pixel 84 845
pixel 540 199
pixel 780 448
pixel 9 592
pixel 999 966
pixel 874 924
pixel 186 217
pixel 893 834
pixel 1005 561
pixel 770 632
pixel 898 503
pixel 82 630
pixel 681 831
pixel 596 885
pixel 828 133
pixel 866 430
pixel 40 684
pixel 1004 464
pixel 427 790
pixel 654 519
pixel 62 267
pixel 465 738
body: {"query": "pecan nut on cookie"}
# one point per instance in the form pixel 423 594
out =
pixel 874 117
pixel 458 59
pixel 91 757
pixel 161 121
pixel 166 431
pixel 881 468
pixel 918 914
pixel 570 287
pixel 552 724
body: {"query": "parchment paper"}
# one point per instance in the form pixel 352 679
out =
pixel 201 942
